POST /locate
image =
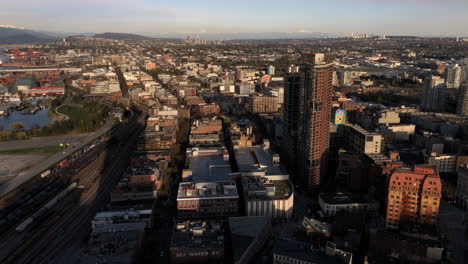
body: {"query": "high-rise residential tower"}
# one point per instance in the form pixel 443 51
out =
pixel 413 197
pixel 464 74
pixel 271 70
pixel 462 105
pixel 306 114
pixel 433 99
pixel 454 77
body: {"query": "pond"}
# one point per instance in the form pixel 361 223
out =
pixel 40 118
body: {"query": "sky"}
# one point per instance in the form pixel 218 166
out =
pixel 176 17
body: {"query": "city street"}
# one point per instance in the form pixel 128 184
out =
pixel 301 208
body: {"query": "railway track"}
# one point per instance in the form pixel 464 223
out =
pixel 50 187
pixel 74 222
pixel 11 235
pixel 38 234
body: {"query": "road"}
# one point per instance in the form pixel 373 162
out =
pixel 451 224
pixel 52 160
pixel 302 203
pixel 42 142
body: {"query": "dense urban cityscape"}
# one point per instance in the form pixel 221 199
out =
pixel 122 148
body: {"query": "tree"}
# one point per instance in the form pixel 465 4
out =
pixel 17 126
pixel 21 135
pixel 35 127
pixel 4 135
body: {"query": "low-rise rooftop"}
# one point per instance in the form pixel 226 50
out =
pixel 342 198
pixel 256 187
pixel 258 159
pixel 305 252
pixel 198 234
pixel 208 164
pixel 207 190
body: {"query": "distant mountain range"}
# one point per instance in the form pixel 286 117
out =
pixel 121 36
pixel 12 35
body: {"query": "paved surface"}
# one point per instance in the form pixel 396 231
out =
pixel 60 115
pixel 10 165
pixel 451 224
pixel 301 207
pixel 42 142
pixel 52 160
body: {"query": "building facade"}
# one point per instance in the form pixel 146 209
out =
pixel 413 197
pixel 462 184
pixel 333 203
pixel 307 117
pixel 197 242
pixel 462 105
pixel 207 200
pixel 433 99
pixel 454 77
pixel 443 163
pixel 263 104
pixel 360 140
pixel 264 197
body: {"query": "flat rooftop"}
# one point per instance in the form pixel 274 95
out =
pixel 209 164
pixel 257 158
pixel 112 247
pixel 198 234
pixel 302 251
pixel 317 226
pixel 207 190
pixel 256 187
pixel 128 214
pixel 244 230
pixel 248 225
pixel 342 198
pixel 379 158
pixel 362 130
pixel 141 171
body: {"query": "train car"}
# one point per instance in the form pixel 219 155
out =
pixel 21 227
pixel 60 196
pixel 44 210
pixel 45 173
pixel 64 163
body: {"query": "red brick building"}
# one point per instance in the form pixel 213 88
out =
pixel 193 100
pixel 413 197
pixel 207 109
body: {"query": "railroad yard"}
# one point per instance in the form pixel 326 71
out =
pixel 53 210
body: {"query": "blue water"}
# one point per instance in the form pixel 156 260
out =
pixel 40 118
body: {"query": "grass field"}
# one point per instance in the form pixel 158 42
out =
pixel 73 112
pixel 32 151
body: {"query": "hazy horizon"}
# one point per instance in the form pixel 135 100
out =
pixel 208 17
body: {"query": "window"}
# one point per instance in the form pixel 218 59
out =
pixel 318 106
pixel 315 163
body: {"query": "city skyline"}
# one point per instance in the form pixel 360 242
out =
pixel 207 17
